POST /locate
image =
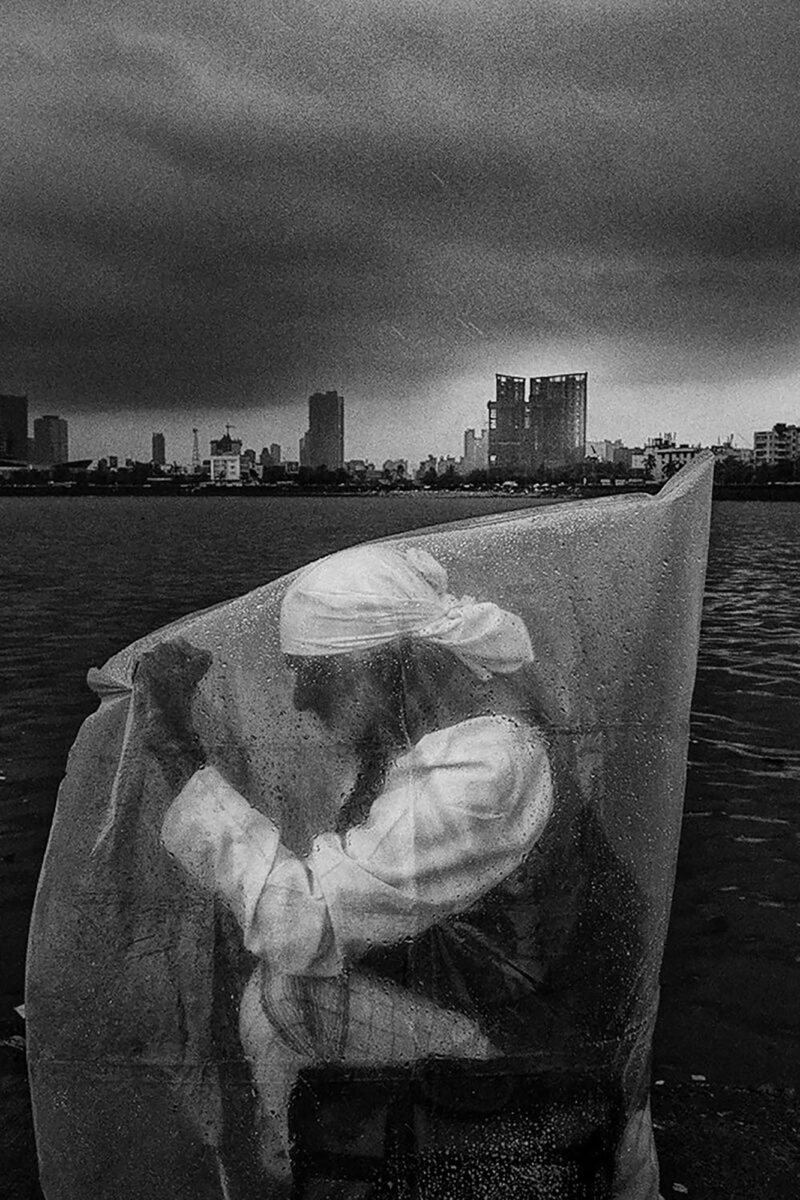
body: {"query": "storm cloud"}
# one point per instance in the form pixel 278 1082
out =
pixel 218 205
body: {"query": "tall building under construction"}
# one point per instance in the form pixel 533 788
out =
pixel 543 431
pixel 558 420
pixel 509 426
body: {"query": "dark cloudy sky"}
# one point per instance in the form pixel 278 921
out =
pixel 211 209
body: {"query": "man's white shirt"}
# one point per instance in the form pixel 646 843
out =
pixel 458 813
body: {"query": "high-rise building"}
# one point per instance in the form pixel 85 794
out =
pixel 14 427
pixel 159 450
pixel 509 426
pixel 545 430
pixel 50 440
pixel 558 420
pixel 323 444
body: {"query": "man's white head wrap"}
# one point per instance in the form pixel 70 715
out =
pixel 365 597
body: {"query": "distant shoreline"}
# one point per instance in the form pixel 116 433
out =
pixel 722 491
pixel 283 492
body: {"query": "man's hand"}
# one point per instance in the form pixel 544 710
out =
pixel 170 673
pixel 164 683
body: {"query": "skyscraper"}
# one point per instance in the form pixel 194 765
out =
pixel 509 426
pixel 159 450
pixel 558 420
pixel 323 444
pixel 50 440
pixel 14 427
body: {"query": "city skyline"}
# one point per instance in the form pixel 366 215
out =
pixel 210 214
pixel 92 449
pixel 536 429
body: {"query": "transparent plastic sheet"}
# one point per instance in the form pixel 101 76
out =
pixel 143 1081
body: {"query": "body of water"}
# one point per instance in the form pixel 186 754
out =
pixel 731 982
pixel 81 577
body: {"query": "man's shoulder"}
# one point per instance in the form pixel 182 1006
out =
pixel 492 736
pixel 493 766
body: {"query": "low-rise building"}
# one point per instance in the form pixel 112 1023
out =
pixel 641 462
pixel 663 457
pixel 361 471
pixel 725 450
pixel 476 452
pixel 779 444
pixel 604 450
pixel 427 467
pixel 395 469
pixel 670 459
pixel 226 468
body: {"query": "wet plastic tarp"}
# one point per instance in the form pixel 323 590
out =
pixel 144 1063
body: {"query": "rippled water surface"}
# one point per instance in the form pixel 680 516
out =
pixel 83 576
pixel 731 981
pixel 747 701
